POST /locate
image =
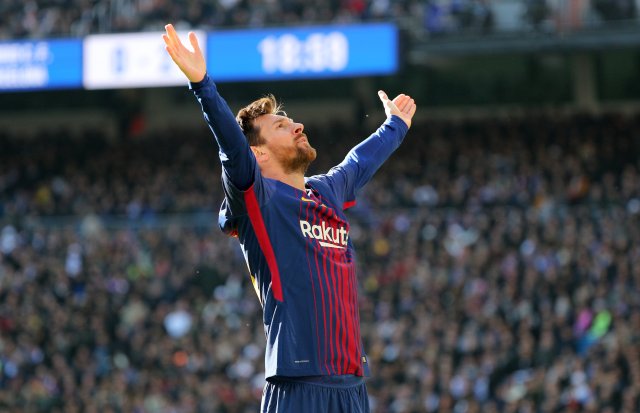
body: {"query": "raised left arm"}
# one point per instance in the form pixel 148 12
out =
pixel 367 157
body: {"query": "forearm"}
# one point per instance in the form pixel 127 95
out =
pixel 366 158
pixel 371 153
pixel 235 155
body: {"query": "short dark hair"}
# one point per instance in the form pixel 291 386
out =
pixel 246 116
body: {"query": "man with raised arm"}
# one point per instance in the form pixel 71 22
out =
pixel 295 238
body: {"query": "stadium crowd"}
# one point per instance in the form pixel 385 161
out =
pixel 81 17
pixel 497 259
pixel 77 18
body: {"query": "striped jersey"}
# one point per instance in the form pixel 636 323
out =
pixel 297 247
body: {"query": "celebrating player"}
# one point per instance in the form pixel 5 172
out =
pixel 295 238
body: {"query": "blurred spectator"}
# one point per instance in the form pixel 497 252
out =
pixel 537 12
pixel 615 10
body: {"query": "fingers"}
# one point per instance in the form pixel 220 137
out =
pixel 171 41
pixel 172 35
pixel 383 96
pixel 409 106
pixel 175 47
pixel 404 103
pixel 168 46
pixel 191 62
pixel 411 110
pixel 193 39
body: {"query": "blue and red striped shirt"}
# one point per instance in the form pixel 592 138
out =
pixel 297 247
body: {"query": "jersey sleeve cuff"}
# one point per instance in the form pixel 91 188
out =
pixel 199 85
pixel 396 120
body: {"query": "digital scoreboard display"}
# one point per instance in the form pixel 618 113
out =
pixel 131 60
pixel 127 60
pixel 304 52
pixel 42 64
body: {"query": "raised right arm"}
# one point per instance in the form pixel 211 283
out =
pixel 238 162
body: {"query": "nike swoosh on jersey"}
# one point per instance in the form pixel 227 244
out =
pixel 312 201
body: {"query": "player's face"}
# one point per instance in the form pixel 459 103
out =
pixel 286 141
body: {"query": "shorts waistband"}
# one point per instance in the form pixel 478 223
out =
pixel 341 381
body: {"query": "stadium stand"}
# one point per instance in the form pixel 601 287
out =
pixel 76 18
pixel 498 264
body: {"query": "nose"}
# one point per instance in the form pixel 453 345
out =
pixel 297 128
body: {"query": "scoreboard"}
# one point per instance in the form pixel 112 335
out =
pixel 306 52
pixel 126 60
pixel 45 64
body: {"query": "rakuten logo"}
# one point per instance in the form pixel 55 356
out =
pixel 326 236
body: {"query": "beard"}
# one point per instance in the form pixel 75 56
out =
pixel 297 160
pixel 301 160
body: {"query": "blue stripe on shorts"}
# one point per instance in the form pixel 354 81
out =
pixel 326 394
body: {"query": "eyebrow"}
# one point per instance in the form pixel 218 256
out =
pixel 282 119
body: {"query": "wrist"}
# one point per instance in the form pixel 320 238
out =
pixel 198 77
pixel 200 83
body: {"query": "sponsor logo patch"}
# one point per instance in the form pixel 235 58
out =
pixel 326 235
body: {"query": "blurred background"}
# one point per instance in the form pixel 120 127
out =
pixel 498 248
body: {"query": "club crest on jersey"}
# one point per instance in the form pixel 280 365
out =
pixel 327 236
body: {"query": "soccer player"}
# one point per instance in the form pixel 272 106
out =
pixel 295 238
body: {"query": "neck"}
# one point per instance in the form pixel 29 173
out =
pixel 294 179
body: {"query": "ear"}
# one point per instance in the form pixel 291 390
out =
pixel 260 153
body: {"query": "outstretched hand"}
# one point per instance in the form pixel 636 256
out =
pixel 402 106
pixel 191 63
